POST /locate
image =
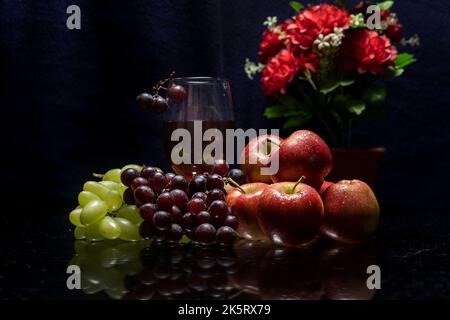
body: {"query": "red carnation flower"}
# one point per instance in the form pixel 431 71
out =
pixel 308 60
pixel 394 28
pixel 271 43
pixel 366 51
pixel 309 23
pixel 280 70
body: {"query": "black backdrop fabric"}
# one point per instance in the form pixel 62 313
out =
pixel 68 96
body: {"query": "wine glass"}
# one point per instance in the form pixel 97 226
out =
pixel 196 104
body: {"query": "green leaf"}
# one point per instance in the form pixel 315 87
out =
pixel 329 87
pixel 296 6
pixel 280 111
pixel 297 121
pixel 374 96
pixel 346 81
pixel 356 107
pixel 398 72
pixel 333 85
pixel 289 101
pixel 385 5
pixel 276 111
pixel 403 60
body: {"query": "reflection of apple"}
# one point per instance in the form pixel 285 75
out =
pixel 290 213
pixel 260 148
pixel 344 269
pixel 303 153
pixel 351 212
pixel 290 273
pixel 325 186
pixel 250 255
pixel 245 207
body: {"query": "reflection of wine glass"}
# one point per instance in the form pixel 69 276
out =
pixel 204 102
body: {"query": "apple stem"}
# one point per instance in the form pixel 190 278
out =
pixel 302 178
pixel 235 184
pixel 98 175
pixel 273 142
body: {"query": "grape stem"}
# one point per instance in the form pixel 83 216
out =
pixel 235 184
pixel 302 178
pixel 98 175
pixel 161 83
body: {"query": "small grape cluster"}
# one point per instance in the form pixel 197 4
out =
pixel 156 103
pixel 101 213
pixel 182 272
pixel 172 207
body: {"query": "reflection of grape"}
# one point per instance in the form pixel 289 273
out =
pixel 105 265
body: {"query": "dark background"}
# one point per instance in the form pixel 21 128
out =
pixel 68 97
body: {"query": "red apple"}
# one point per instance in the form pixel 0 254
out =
pixel 258 150
pixel 303 153
pixel 244 206
pixel 290 213
pixel 351 212
pixel 325 186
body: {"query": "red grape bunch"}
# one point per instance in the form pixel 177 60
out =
pixel 172 207
pixel 156 103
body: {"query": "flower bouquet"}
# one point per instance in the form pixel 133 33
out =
pixel 322 65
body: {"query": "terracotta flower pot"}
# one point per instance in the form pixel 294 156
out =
pixel 361 164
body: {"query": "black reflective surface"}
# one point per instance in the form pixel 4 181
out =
pixel 412 253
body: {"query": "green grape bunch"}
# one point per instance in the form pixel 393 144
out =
pixel 101 212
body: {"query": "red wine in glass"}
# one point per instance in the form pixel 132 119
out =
pixel 200 104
